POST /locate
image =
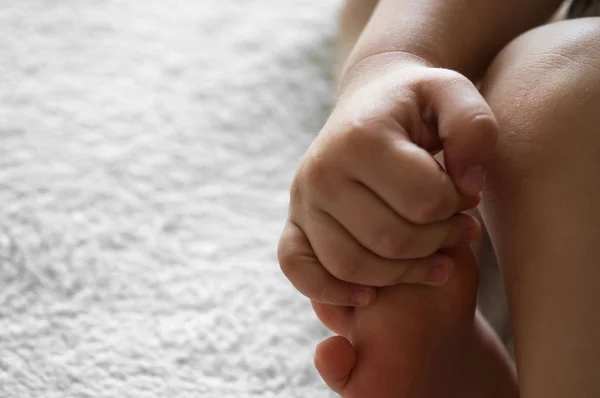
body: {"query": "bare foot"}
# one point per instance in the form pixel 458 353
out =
pixel 416 342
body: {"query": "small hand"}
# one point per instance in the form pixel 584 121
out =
pixel 370 206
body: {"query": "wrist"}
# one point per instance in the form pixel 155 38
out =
pixel 372 66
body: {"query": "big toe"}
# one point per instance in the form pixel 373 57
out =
pixel 335 359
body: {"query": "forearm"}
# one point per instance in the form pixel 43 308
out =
pixel 463 35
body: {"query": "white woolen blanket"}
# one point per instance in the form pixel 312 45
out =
pixel 146 149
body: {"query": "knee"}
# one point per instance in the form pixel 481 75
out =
pixel 545 90
pixel 550 61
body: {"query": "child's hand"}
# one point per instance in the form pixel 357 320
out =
pixel 369 203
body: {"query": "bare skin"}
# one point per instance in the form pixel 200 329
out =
pixel 543 86
pixel 405 94
pixel 416 341
pixel 392 348
pixel 541 203
pixel 352 200
pixel 370 208
pixel 353 203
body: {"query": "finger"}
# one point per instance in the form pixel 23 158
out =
pixel 380 229
pixel 404 176
pixel 334 359
pixel 466 126
pixel 347 260
pixel 334 317
pixel 470 202
pixel 302 267
pixel 466 202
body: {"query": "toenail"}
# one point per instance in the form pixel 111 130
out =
pixel 361 297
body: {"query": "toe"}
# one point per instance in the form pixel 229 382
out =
pixel 335 359
pixel 335 318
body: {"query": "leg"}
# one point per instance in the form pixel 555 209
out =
pixel 541 203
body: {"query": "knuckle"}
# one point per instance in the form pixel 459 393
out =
pixel 360 127
pixel 295 191
pixel 290 253
pixel 449 79
pixel 317 176
pixel 430 209
pixel 343 268
pixel 287 258
pixel 403 272
pixel 361 132
pixel 391 244
pixel 316 169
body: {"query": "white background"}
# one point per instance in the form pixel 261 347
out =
pixel 146 148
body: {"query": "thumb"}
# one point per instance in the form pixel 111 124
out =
pixel 466 126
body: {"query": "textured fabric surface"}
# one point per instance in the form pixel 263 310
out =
pixel 146 148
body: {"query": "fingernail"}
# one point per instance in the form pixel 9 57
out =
pixel 361 297
pixel 472 180
pixel 438 274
